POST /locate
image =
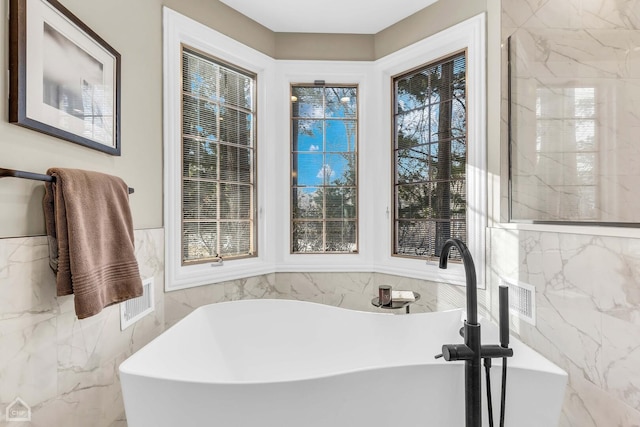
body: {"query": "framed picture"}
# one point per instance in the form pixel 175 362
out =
pixel 64 78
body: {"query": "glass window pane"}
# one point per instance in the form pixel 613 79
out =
pixel 307 202
pixel 229 162
pixel 199 200
pixel 437 200
pixel 230 88
pixel 310 169
pixel 341 135
pixel 459 118
pixel 416 201
pixel 340 202
pixel 414 164
pixel 236 163
pixel 412 91
pixel 245 165
pixel 340 169
pixel 441 122
pixel 235 238
pixel 235 201
pixel 199 77
pixel 246 130
pixel 341 102
pixel 415 238
pixel 422 238
pixel 199 158
pixel 459 149
pixel 341 236
pixel 307 135
pixel 307 102
pixel 412 128
pixel 199 240
pixel 235 126
pixel 307 236
pixel 199 118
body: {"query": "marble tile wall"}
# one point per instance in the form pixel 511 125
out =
pixel 348 290
pixel 576 92
pixel 587 287
pixel 182 302
pixel 66 369
pixel 588 316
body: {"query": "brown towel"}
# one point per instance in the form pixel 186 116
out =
pixel 91 244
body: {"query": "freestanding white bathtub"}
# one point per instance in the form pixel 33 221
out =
pixel 281 363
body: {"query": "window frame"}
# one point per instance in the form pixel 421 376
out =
pixel 356 120
pixel 254 150
pixel 180 30
pixel 332 72
pixel 394 163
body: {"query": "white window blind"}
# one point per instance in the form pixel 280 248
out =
pixel 218 159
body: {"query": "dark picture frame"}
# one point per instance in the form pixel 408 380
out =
pixel 64 78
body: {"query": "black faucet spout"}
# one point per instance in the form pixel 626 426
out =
pixel 471 351
pixel 470 274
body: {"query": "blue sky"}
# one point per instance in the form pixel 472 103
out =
pixel 326 132
pixel 313 164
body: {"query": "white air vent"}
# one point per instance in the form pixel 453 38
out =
pixel 135 309
pixel 522 300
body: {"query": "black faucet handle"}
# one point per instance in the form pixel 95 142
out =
pixel 452 352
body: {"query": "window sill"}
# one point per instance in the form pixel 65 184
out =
pixel 211 273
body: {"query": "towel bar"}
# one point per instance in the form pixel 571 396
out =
pixel 11 173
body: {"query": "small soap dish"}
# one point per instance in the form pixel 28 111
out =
pixel 403 296
pixel 399 299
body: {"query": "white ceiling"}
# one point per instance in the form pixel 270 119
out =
pixel 328 16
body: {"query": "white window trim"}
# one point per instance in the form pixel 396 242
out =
pixel 468 35
pixel 332 72
pixel 178 30
pixel 273 149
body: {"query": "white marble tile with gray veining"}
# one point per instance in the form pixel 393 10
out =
pixel 64 368
pixel 182 302
pixel 27 285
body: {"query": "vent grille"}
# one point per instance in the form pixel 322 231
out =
pixel 522 301
pixel 135 309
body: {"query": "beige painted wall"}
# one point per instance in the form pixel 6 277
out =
pixel 426 22
pixel 335 47
pixel 134 29
pixel 369 47
pixel 137 35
